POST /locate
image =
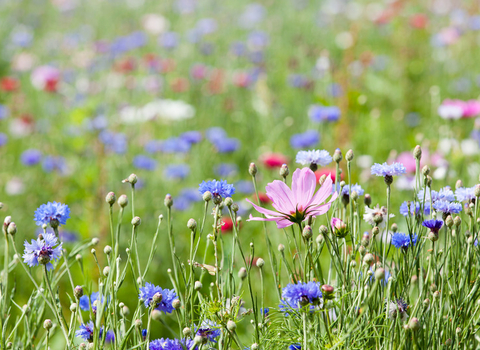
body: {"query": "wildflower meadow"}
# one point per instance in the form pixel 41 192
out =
pixel 276 174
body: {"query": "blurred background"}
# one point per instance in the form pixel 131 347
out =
pixel 189 90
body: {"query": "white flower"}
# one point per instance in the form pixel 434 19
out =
pixel 371 213
pixel 155 24
pixel 450 112
pixel 166 110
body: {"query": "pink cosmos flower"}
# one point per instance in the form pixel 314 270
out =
pixel 298 203
pixel 339 227
pixel 454 109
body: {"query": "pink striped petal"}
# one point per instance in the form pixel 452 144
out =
pixel 281 196
pixel 303 186
pixel 267 212
pixel 323 193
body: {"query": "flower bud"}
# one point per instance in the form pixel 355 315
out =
pixel 198 285
pixel 436 294
pixel 138 323
pixel 425 170
pixel 9 345
pixel 156 315
pixel 12 229
pixel 200 340
pixel 254 346
pixel 365 239
pixel 328 292
pixel 307 232
pixel 476 191
pixel 354 196
pixel 110 198
pixel 368 259
pixel 242 273
pixel 207 196
pixel 337 156
pixel 457 221
pixel 432 236
pixel 132 179
pixel 414 279
pixel 217 200
pixel 414 324
pixel 362 250
pixel 125 310
pixel 449 221
pixel 260 262
pixel 176 304
pixel 375 231
pixel 6 223
pixel 106 271
pixel 448 342
pixel 95 241
pixel 78 292
pixel 231 326
pixel 426 302
pixel 322 179
pixel 367 199
pixel 429 181
pixel 82 346
pixel 458 184
pixel 320 239
pixel 380 274
pixel 73 307
pixel 284 171
pixel 417 152
pixel 136 221
pixel 281 248
pixel 79 257
pixel 107 250
pixel 168 201
pixel 394 227
pixel 192 224
pixel 353 264
pixel 47 324
pixel 252 169
pixel 458 330
pixel 323 230
pixel 122 201
pixel 228 202
pixel 187 332
pixel 349 155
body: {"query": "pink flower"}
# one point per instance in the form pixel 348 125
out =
pixel 45 78
pixel 455 109
pixel 339 227
pixel 298 203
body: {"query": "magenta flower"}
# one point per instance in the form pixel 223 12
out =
pixel 339 228
pixel 298 203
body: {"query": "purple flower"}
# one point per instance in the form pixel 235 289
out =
pixel 208 329
pixel 317 157
pixel 302 294
pixel 175 145
pixel 171 344
pixel 217 188
pixel 447 208
pixel 402 240
pixel 31 157
pixel 320 114
pixel 42 251
pixel 465 194
pixel 215 133
pixel 388 170
pixel 168 296
pixel 177 171
pixel 191 137
pixel 305 140
pixel 238 48
pixel 56 213
pixel 226 145
pixel 144 162
pixel 433 225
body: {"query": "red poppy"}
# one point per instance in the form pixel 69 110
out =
pixel 9 84
pixel 227 225
pixel 273 160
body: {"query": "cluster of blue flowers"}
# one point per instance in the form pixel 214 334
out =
pixel 52 213
pixel 307 139
pixel 320 114
pixel 413 208
pixel 434 225
pixel 171 344
pixel 301 294
pixel 402 240
pixel 355 188
pixel 168 296
pixel 384 169
pixel 217 188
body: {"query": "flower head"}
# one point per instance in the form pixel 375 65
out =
pixel 86 331
pixel 208 329
pixel 413 208
pixel 402 240
pixel 302 294
pixel 339 228
pixel 447 208
pixel 357 188
pixel 376 216
pixel 465 194
pixel 42 251
pixel 388 170
pixel 445 194
pixel 85 301
pixel 433 225
pixel 398 309
pixel 52 213
pixel 170 344
pixel 316 157
pixel 217 188
pixel 168 296
pixel 298 203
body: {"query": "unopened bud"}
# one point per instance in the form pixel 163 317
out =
pixel 125 310
pixel 242 273
pixel 228 202
pixel 458 184
pixel 207 196
pixel 176 304
pixel 192 224
pixel 106 271
pixel 187 332
pixel 362 250
pixel 122 201
pixel 380 274
pixel 328 292
pixel 231 326
pixel 260 262
pixel 107 250
pixel 457 221
pixel 307 232
pixel 132 179
pixel 417 152
pixel 252 169
pixel 136 221
pixel 73 307
pixel 432 236
pixel 426 302
pixel 198 285
pixel 476 191
pixel 284 171
pixel 368 259
pixel 365 239
pixel 375 231
pixel 337 156
pixel 47 324
pixel 323 230
pixel 168 201
pixel 414 324
pixel 12 229
pixel 78 292
pixel 320 239
pixel 281 248
pixel 394 227
pixel 138 323
pixel 254 346
pixel 449 221
pixel 217 200
pixel 110 198
pixel 95 241
pixel 367 199
pixel 425 170
pixel 156 315
pixel 349 155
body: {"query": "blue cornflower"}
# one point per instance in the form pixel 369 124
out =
pixel 317 157
pixel 295 347
pixel 226 169
pixel 144 162
pixel 388 170
pixel 215 133
pixel 171 344
pixel 434 225
pixel 176 171
pixel 110 336
pixel 357 188
pixel 31 157
pixel 169 40
pixel 414 208
pixel 42 251
pixel 305 140
pixel 168 296
pixel 191 136
pixel 208 329
pixel 447 207
pixel 465 194
pixel 144 333
pixel 320 114
pixel 175 145
pixel 227 145
pixel 85 301
pixel 217 188
pixel 113 142
pixel 445 194
pixel 265 311
pixel 402 240
pixel 191 194
pixel 51 163
pixel 300 294
pixel 86 331
pixel 52 213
